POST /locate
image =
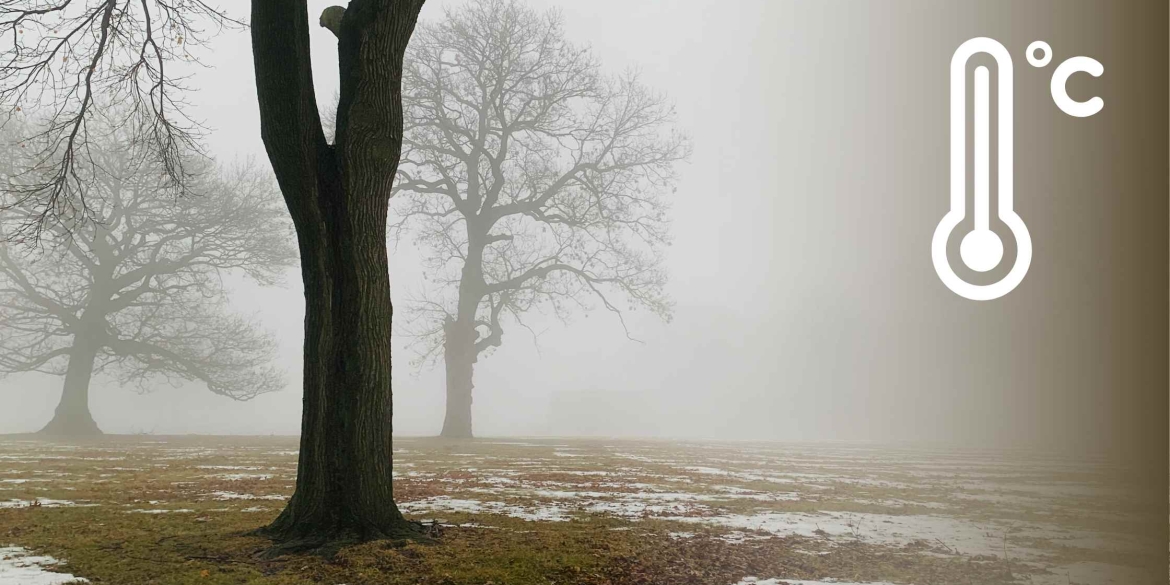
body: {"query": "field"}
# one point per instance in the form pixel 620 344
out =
pixel 162 510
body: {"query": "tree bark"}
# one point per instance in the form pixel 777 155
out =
pixel 344 491
pixel 459 357
pixel 72 417
pixel 337 196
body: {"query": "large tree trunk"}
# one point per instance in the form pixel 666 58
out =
pixel 344 490
pixel 459 358
pixel 72 418
pixel 337 197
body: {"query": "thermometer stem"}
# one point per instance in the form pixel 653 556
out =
pixel 982 149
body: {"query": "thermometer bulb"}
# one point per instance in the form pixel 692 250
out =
pixel 981 250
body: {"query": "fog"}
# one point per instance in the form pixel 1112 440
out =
pixel 807 308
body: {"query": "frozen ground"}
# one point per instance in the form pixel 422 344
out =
pixel 1045 520
pixel 19 567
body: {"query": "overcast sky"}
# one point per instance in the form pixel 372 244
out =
pixel 807 306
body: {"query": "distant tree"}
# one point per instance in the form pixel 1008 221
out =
pixel 529 179
pixel 134 286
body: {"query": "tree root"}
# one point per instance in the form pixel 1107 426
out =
pixel 71 427
pixel 327 543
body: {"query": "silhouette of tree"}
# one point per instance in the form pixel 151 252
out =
pixel 530 180
pixel 137 289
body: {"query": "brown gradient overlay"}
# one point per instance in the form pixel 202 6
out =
pixel 1075 359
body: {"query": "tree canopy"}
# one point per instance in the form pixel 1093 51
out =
pixel 140 278
pixel 80 64
pixel 529 178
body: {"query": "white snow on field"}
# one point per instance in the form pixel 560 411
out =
pixel 18 567
pixel 236 496
pixel 954 534
pixel 632 506
pixel 632 510
pixel 240 476
pixel 42 504
pixel 639 458
pixel 161 511
pixel 448 504
pixel 552 494
pixel 649 500
pixel 755 581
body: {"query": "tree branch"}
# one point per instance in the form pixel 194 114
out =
pixel 290 123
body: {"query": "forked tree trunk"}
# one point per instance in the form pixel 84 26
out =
pixel 337 197
pixel 459 359
pixel 72 417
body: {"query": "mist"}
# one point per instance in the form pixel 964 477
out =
pixel 668 291
pixel 806 306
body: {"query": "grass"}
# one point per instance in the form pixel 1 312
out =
pixel 181 549
pixel 616 513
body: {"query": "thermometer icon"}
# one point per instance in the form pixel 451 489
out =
pixel 981 249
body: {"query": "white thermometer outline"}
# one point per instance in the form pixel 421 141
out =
pixel 981 247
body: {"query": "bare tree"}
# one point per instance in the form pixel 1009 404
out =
pixel 76 59
pixel 137 289
pixel 530 179
pixel 336 192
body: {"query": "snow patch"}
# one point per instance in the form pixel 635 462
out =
pixel 448 504
pixel 39 503
pixel 18 567
pixel 959 536
pixel 236 496
pixel 755 581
